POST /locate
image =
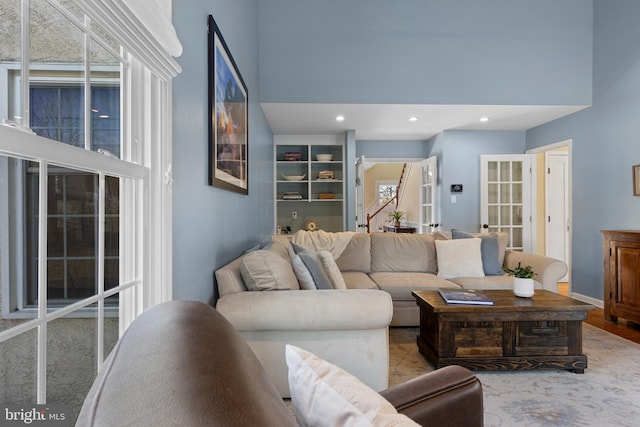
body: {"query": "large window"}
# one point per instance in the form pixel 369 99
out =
pixel 85 196
pixel 72 216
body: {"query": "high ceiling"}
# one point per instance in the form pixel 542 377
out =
pixel 391 122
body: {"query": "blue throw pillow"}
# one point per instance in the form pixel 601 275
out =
pixel 309 269
pixel 489 247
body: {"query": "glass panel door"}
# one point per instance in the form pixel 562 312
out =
pixel 506 198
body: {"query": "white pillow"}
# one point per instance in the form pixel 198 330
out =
pixel 459 258
pixel 332 270
pixel 325 395
pixel 264 270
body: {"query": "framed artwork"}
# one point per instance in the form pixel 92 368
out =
pixel 636 180
pixel 228 118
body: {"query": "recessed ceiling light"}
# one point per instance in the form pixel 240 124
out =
pixel 484 119
pixel 339 118
pixel 413 118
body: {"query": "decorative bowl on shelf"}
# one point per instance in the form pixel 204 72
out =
pixel 294 177
pixel 324 157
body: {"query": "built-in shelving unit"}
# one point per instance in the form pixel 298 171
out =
pixel 319 194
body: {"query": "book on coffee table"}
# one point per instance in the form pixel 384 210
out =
pixel 465 297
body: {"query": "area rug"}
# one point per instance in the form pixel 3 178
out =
pixel 607 394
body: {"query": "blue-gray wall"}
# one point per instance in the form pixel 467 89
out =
pixel 458 155
pixel 212 226
pixel 392 149
pixel 605 142
pixel 426 51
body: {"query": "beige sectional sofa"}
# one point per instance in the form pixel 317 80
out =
pixel 348 326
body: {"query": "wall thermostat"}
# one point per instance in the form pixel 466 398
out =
pixel 456 188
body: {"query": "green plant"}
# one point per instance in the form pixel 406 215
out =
pixel 397 216
pixel 520 271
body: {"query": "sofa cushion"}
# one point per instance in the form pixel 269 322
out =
pixel 459 258
pixel 308 268
pixel 356 255
pixel 264 270
pixel 489 248
pixel 400 284
pixel 403 252
pixel 332 270
pixel 358 280
pixel 325 395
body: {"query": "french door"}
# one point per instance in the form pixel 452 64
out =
pixel 506 197
pixel 428 195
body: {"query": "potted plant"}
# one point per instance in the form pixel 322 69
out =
pixel 522 280
pixel 396 216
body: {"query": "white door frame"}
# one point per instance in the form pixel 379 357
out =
pixel 560 144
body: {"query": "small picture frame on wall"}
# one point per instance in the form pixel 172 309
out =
pixel 228 118
pixel 636 180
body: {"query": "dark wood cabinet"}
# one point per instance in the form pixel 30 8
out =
pixel 621 252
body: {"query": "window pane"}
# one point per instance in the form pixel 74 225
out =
pixel 492 172
pixel 13 232
pixel 504 171
pixel 505 215
pixel 492 193
pixel 71 362
pixel 505 193
pixel 56 112
pixel 18 379
pixel 517 215
pixel 517 193
pixel 72 235
pixel 105 100
pixel 517 171
pixel 10 54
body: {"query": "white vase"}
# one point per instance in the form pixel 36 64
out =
pixel 523 287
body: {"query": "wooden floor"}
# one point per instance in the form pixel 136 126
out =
pixel 595 318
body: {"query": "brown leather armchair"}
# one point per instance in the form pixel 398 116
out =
pixel 182 364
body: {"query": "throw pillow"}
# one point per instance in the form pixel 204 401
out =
pixel 332 270
pixel 325 395
pixel 264 270
pixel 459 258
pixel 489 247
pixel 308 269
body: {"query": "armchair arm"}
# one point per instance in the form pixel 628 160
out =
pixel 450 396
pixel 548 270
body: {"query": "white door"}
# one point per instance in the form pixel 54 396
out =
pixel 506 197
pixel 557 207
pixel 428 200
pixel 361 215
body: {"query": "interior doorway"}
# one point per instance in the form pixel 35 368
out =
pixel 554 195
pixel 372 174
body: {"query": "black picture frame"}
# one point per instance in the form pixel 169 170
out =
pixel 636 179
pixel 228 117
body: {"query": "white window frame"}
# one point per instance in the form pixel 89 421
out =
pixel 145 166
pixel 380 182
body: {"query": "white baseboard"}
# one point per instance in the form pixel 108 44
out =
pixel 597 302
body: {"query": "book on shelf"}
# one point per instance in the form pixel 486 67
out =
pixel 464 297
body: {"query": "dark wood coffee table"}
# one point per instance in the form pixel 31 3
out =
pixel 541 332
